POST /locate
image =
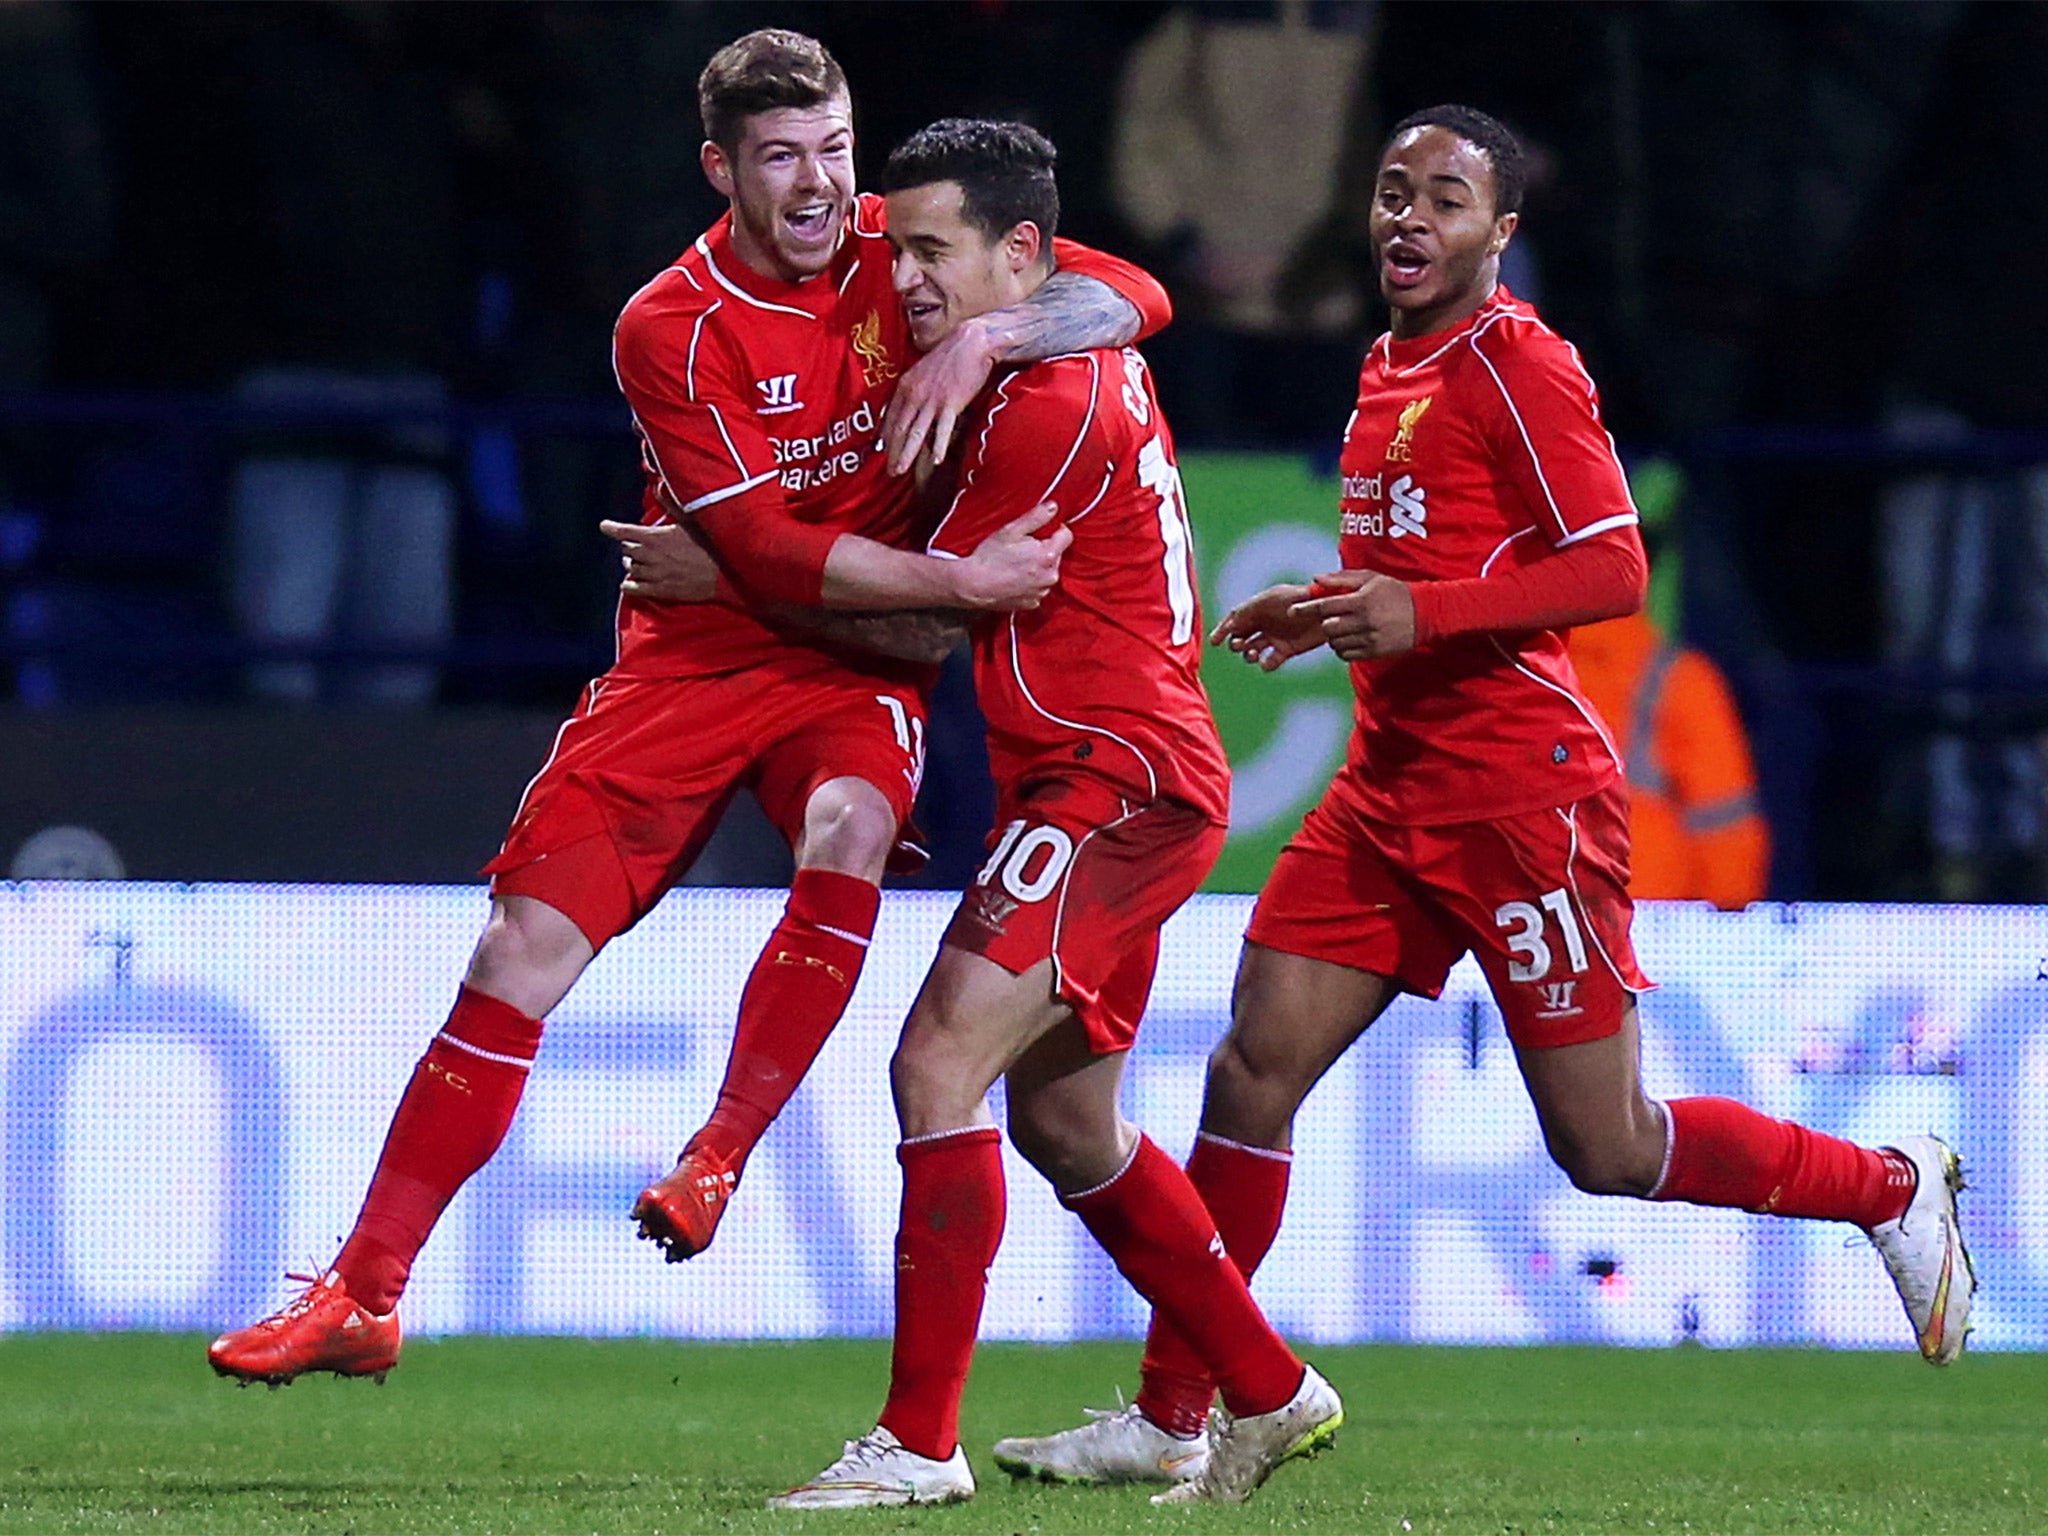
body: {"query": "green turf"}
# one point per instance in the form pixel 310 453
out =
pixel 130 1432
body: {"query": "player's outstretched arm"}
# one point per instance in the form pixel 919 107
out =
pixel 1012 568
pixel 1266 631
pixel 667 563
pixel 1071 311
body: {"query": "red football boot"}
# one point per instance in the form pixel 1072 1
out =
pixel 320 1329
pixel 680 1212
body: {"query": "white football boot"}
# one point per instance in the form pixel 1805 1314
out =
pixel 1243 1453
pixel 1115 1446
pixel 876 1470
pixel 1924 1251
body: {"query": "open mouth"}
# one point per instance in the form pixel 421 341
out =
pixel 811 222
pixel 917 310
pixel 1405 264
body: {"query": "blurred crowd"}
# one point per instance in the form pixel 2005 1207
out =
pixel 304 320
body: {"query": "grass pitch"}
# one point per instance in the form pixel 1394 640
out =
pixel 132 1432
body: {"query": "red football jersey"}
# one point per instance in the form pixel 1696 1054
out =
pixel 768 396
pixel 1103 678
pixel 768 393
pixel 1468 448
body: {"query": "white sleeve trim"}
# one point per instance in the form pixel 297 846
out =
pixel 727 494
pixel 1568 534
pixel 1619 520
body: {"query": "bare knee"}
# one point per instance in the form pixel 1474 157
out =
pixel 849 827
pixel 520 938
pixel 1601 1128
pixel 934 1087
pixel 1608 1162
pixel 1597 1172
pixel 1290 1018
pixel 1072 1145
pixel 1250 1097
pixel 529 955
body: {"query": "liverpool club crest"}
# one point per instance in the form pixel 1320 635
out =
pixel 1402 448
pixel 875 364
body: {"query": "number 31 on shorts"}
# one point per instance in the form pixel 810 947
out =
pixel 1526 941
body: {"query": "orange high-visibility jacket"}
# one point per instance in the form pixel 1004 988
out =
pixel 1694 821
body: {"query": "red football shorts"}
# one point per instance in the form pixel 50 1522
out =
pixel 644 768
pixel 1542 899
pixel 1086 879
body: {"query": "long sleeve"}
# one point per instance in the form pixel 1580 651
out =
pixel 703 439
pixel 1596 578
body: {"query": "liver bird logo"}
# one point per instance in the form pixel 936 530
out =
pixel 1402 448
pixel 876 366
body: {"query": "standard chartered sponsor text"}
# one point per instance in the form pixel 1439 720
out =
pixel 841 449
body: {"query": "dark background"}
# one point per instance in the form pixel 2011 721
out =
pixel 1794 242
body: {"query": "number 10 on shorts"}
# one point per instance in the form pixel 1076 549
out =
pixel 1526 941
pixel 1029 864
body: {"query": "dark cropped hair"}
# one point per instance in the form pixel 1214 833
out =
pixel 1489 135
pixel 1004 170
pixel 762 71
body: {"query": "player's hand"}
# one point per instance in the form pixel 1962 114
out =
pixel 664 562
pixel 1013 568
pixel 928 402
pixel 1362 614
pixel 1265 630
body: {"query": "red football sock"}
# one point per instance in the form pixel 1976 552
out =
pixel 953 1210
pixel 1163 1239
pixel 454 1114
pixel 1245 1190
pixel 1725 1153
pixel 795 996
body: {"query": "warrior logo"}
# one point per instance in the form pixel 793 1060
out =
pixel 1402 449
pixel 1557 997
pixel 778 395
pixel 992 908
pixel 875 364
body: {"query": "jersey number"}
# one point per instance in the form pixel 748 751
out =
pixel 909 736
pixel 1527 942
pixel 1050 849
pixel 1156 472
